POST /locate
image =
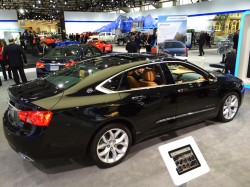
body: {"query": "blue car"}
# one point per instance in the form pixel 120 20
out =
pixel 175 48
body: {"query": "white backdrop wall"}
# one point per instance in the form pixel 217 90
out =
pixel 86 21
pixel 8 23
pixel 78 22
pixel 197 8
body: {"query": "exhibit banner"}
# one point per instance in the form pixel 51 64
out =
pixel 171 28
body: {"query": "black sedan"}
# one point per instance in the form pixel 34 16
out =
pixel 64 56
pixel 103 106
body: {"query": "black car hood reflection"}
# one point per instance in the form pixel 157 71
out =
pixel 34 90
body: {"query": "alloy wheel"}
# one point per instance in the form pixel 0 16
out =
pixel 230 107
pixel 112 145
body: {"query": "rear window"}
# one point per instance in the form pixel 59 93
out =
pixel 64 52
pixel 68 77
pixel 174 45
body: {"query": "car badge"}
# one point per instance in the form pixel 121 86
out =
pixel 89 90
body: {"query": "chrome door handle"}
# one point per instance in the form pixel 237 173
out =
pixel 182 90
pixel 139 97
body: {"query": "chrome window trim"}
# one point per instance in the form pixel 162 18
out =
pixel 184 115
pixel 107 91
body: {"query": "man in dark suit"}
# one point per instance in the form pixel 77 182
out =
pixel 131 46
pixel 235 40
pixel 16 60
pixel 43 49
pixel 202 41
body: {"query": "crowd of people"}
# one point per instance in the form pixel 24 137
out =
pixel 137 41
pixel 13 60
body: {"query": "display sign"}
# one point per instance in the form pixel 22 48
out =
pixel 171 28
pixel 184 160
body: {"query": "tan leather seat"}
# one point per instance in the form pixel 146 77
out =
pixel 133 83
pixel 148 78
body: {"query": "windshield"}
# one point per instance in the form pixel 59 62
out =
pixel 174 45
pixel 68 77
pixel 63 52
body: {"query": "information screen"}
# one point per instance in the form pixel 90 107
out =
pixel 185 159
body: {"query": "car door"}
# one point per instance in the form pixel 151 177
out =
pixel 108 36
pixel 149 104
pixel 102 36
pixel 196 92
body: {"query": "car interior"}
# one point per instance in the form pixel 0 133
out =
pixel 183 74
pixel 144 77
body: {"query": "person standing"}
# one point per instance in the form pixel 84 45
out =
pixel 131 46
pixel 148 43
pixel 15 58
pixel 2 62
pixel 202 40
pixel 43 49
pixel 236 39
pixel 230 62
pixel 138 41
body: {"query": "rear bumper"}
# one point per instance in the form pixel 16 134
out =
pixel 38 146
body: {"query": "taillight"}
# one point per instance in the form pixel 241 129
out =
pixel 69 64
pixel 38 118
pixel 39 65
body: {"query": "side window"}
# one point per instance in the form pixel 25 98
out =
pixel 102 34
pixel 96 51
pixel 114 83
pixel 108 34
pixel 87 52
pixel 141 77
pixel 181 73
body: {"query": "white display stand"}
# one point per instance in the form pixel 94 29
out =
pixel 185 155
pixel 243 51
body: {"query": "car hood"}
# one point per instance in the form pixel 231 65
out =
pixel 36 90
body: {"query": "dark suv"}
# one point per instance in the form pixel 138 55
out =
pixel 122 39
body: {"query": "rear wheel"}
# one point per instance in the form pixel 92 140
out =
pixel 229 107
pixel 111 145
pixel 120 42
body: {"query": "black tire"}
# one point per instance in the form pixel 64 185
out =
pixel 120 42
pixel 224 106
pixel 109 160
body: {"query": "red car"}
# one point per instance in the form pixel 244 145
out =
pixel 102 45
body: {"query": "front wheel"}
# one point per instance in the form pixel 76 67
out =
pixel 111 145
pixel 229 107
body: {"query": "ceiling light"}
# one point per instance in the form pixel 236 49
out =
pixel 39 1
pixel 21 11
